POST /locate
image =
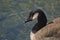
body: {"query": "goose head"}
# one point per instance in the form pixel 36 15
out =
pixel 32 16
pixel 36 14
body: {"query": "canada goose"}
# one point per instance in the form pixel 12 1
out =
pixel 41 30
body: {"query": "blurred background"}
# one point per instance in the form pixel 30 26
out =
pixel 13 13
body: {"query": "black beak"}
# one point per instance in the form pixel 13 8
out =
pixel 28 20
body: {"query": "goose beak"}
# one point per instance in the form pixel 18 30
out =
pixel 28 20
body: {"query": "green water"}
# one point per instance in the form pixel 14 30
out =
pixel 13 13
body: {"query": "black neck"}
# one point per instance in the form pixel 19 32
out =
pixel 41 21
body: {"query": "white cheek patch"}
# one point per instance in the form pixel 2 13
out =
pixel 35 16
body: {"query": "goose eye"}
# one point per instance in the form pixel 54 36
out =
pixel 35 16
